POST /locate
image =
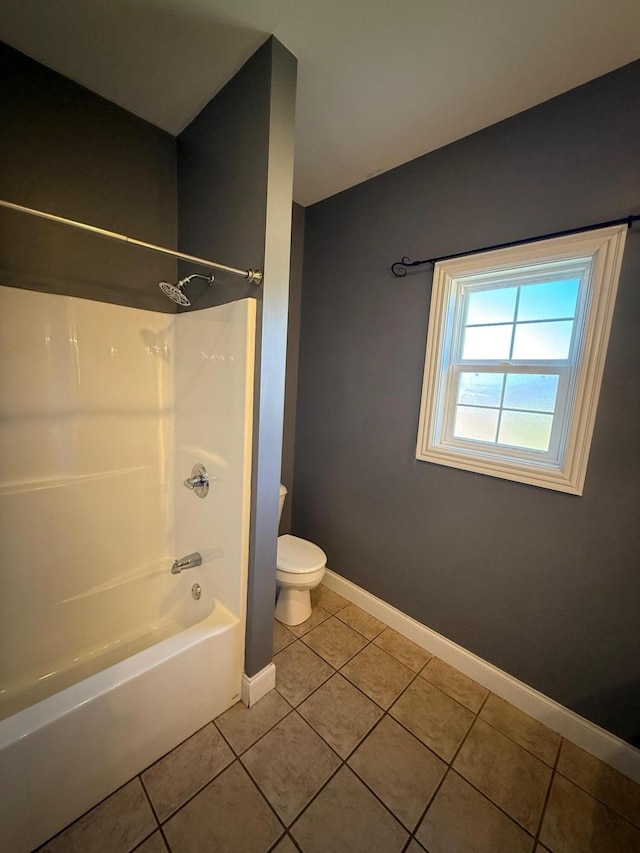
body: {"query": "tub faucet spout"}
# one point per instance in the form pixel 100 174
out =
pixel 187 562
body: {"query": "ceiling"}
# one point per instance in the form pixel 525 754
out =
pixel 380 82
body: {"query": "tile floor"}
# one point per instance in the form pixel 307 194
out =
pixel 367 744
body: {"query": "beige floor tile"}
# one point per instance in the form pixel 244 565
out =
pixel 361 621
pixel 433 717
pixel 187 768
pixel 228 815
pixel 328 599
pixel 346 816
pixel 601 781
pixel 286 846
pixel 290 764
pixel 378 675
pixel 574 822
pixel 299 671
pixel 401 649
pixel 116 825
pixel 522 728
pixel 399 769
pixel 456 684
pixel 154 844
pixel 511 777
pixel 461 819
pixel 243 726
pixel 340 713
pixel 318 615
pixel 281 637
pixel 334 641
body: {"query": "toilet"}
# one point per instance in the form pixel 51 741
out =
pixel 300 567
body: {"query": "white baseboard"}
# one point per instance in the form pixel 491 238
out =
pixel 256 686
pixel 599 742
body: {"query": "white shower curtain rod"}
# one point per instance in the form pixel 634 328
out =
pixel 254 276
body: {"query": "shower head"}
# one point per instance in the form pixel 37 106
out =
pixel 175 291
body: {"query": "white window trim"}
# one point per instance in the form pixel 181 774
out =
pixel 603 249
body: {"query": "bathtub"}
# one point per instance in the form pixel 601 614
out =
pixel 63 754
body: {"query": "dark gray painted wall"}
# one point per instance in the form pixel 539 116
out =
pixel 222 182
pixel 235 183
pixel 293 347
pixel 69 152
pixel 544 585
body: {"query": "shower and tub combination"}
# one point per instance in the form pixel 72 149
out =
pixel 124 529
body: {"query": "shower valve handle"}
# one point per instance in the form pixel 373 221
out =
pixel 198 481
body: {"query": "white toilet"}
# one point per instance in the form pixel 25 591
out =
pixel 300 567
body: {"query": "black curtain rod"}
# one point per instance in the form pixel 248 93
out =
pixel 399 268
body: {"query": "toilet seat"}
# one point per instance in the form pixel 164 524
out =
pixel 298 556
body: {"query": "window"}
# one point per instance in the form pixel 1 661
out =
pixel 515 353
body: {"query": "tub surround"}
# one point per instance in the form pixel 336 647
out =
pixel 108 408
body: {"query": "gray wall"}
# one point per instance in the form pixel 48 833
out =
pixel 544 585
pixel 222 183
pixel 235 184
pixel 70 152
pixel 293 348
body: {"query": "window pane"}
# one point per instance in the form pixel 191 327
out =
pixel 480 389
pixel 549 300
pixel 480 424
pixel 523 429
pixel 543 340
pixel 533 391
pixel 487 342
pixel 491 306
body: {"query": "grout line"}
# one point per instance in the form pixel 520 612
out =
pixel 475 787
pixel 596 797
pixel 288 701
pixel 84 814
pixel 513 740
pixel 385 713
pixel 165 839
pixel 162 757
pixel 259 738
pixel 548 794
pixel 265 733
pixel 449 765
pixel 276 843
pixel 264 797
pixel 195 793
pixel 313 798
pixel 294 842
pixel 149 800
pixel 144 840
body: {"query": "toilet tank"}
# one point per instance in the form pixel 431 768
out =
pixel 283 494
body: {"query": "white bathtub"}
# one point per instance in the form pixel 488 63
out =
pixel 64 754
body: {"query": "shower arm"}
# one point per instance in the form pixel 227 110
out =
pixel 253 276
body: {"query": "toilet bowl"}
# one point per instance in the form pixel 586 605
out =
pixel 300 567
